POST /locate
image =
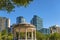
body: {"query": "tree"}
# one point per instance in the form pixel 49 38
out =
pixel 10 36
pixel 40 36
pixel 9 5
pixel 4 35
pixel 0 36
pixel 55 36
pixel 47 36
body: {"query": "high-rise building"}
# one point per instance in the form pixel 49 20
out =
pixel 4 23
pixel 20 19
pixel 55 29
pixel 45 31
pixel 37 21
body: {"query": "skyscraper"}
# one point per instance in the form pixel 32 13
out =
pixel 37 21
pixel 4 23
pixel 20 19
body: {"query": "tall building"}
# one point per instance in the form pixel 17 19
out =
pixel 20 19
pixel 4 23
pixel 45 31
pixel 37 21
pixel 8 22
pixel 55 29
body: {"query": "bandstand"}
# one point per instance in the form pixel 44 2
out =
pixel 24 31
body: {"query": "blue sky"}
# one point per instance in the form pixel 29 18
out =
pixel 48 10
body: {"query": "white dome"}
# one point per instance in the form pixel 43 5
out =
pixel 57 25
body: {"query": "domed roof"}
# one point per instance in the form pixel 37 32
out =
pixel 26 25
pixel 56 26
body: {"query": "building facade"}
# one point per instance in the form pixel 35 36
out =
pixel 20 19
pixel 4 23
pixel 45 31
pixel 37 21
pixel 55 29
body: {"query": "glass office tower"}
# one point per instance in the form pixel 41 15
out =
pixel 20 19
pixel 37 21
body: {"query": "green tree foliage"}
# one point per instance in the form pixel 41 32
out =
pixel 4 35
pixel 40 36
pixel 10 36
pixel 22 35
pixel 0 36
pixel 9 5
pixel 22 2
pixel 55 36
pixel 47 36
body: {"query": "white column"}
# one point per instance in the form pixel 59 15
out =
pixel 19 34
pixel 32 34
pixel 26 34
pixel 35 34
pixel 14 35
